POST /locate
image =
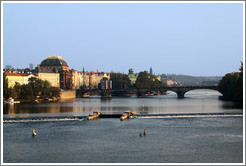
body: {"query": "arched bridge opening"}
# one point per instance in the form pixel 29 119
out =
pixel 180 91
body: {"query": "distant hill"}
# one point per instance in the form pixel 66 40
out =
pixel 193 80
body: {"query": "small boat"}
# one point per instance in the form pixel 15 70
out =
pixel 33 132
pixel 127 114
pixel 11 101
pixel 94 115
pixel 86 95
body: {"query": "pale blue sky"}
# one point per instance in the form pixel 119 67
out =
pixel 200 39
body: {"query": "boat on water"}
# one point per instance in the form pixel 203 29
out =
pixel 94 115
pixel 33 132
pixel 11 101
pixel 127 114
pixel 86 95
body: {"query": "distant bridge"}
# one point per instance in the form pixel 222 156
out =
pixel 179 90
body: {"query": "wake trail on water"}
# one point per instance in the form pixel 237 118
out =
pixel 47 118
pixel 186 115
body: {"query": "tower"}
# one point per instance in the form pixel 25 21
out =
pixel 150 71
pixel 31 66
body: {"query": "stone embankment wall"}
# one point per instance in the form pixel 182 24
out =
pixel 69 94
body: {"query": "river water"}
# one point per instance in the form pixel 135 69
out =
pixel 173 139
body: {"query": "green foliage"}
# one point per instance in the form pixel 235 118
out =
pixel 231 86
pixel 5 87
pixel 130 71
pixel 120 81
pixel 54 92
pixel 147 81
pixel 17 88
pixel 26 92
pixel 35 88
pixel 13 93
pixel 36 85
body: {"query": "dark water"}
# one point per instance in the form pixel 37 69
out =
pixel 207 139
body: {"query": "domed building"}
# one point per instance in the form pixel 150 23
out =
pixel 54 64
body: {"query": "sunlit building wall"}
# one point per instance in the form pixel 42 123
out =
pixel 52 78
pixel 21 78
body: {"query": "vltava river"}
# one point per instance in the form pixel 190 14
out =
pixel 201 139
pixel 197 101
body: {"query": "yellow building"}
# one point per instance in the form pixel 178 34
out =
pixel 53 78
pixel 94 78
pixel 158 77
pixel 133 78
pixel 21 78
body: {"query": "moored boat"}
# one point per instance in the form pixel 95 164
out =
pixel 94 115
pixel 127 114
pixel 11 101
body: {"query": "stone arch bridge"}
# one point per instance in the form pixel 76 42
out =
pixel 181 90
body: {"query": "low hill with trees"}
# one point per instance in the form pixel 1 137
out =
pixel 186 80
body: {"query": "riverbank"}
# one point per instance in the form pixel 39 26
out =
pixel 64 95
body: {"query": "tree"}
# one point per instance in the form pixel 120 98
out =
pixel 120 80
pixel 5 86
pixel 26 92
pixel 231 85
pixel 17 88
pixel 36 85
pixel 13 93
pixel 54 92
pixel 146 81
pixel 143 80
pixel 45 91
pixel 130 71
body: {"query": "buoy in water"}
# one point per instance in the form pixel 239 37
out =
pixel 145 130
pixel 33 132
pixel 140 134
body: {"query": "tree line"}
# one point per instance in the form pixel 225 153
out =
pixel 231 86
pixel 36 88
pixel 143 81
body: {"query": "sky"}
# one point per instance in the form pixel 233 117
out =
pixel 198 39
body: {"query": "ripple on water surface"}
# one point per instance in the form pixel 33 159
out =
pixel 168 140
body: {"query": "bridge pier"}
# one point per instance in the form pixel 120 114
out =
pixel 141 93
pixel 180 94
pixel 106 94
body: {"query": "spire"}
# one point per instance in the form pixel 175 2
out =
pixel 150 71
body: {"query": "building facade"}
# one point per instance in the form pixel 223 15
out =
pixel 53 78
pixel 21 78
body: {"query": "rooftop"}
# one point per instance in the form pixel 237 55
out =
pixel 54 61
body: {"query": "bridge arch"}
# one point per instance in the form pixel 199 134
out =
pixel 202 92
pixel 181 91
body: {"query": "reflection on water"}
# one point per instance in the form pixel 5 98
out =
pixel 196 101
pixel 200 139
